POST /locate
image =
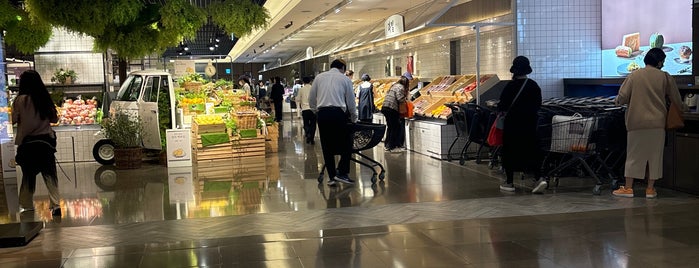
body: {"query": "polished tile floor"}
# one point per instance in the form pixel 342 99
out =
pixel 271 212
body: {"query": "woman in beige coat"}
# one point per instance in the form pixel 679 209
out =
pixel 645 92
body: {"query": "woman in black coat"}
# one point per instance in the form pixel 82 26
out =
pixel 520 149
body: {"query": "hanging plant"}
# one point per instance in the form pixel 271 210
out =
pixel 181 17
pixel 239 17
pixel 27 34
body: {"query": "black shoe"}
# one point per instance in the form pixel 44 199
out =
pixel 56 211
pixel 344 179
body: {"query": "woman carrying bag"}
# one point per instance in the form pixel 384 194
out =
pixel 519 104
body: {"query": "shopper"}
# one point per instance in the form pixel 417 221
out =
pixel 349 74
pixel 520 101
pixel 294 96
pixel 645 91
pixel 396 95
pixel 277 96
pixel 309 117
pixel 261 94
pixel 245 85
pixel 366 100
pixel 34 111
pixel 332 97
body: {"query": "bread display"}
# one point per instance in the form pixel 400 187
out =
pixel 656 40
pixel 633 41
pixel 623 51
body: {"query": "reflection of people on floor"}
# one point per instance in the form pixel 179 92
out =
pixel 339 198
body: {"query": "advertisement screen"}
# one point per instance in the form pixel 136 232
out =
pixel 631 27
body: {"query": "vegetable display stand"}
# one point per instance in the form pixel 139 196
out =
pixel 248 147
pixel 272 139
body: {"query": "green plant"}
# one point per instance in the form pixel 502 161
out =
pixel 164 118
pixel 61 76
pixel 22 31
pixel 124 130
pixel 191 77
pixel 239 17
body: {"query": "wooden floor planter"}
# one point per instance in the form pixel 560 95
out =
pixel 128 158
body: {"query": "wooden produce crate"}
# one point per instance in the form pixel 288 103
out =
pixel 203 129
pixel 246 120
pixel 272 139
pixel 236 169
pixel 248 147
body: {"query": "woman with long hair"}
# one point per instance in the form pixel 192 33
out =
pixel 33 111
pixel 396 96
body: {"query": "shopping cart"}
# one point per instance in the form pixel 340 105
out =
pixel 579 141
pixel 472 123
pixel 365 136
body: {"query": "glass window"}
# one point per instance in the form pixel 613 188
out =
pixel 131 89
pixel 150 94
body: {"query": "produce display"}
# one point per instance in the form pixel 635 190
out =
pixel 78 112
pixel 450 89
pixel 209 119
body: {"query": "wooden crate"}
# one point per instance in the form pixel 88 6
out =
pixel 271 146
pixel 248 147
pixel 203 129
pixel 237 169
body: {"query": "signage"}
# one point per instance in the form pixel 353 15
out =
pixel 180 184
pixel 394 26
pixel 9 166
pixel 183 67
pixel 179 148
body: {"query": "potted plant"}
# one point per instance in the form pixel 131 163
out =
pixel 64 76
pixel 125 132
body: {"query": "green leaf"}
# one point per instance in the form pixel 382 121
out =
pixel 239 17
pixel 27 34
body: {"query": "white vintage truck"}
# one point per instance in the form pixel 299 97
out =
pixel 140 95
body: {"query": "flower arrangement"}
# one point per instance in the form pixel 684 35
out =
pixel 64 76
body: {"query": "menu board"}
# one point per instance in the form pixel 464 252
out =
pixel 630 28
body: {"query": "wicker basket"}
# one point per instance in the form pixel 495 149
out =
pixel 191 86
pixel 246 120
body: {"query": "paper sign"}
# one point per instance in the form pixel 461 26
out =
pixel 179 148
pixel 180 184
pixel 394 26
pixel 9 167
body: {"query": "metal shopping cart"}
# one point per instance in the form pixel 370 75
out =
pixel 579 141
pixel 472 123
pixel 365 136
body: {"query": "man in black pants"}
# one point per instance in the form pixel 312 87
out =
pixel 277 96
pixel 332 97
pixel 309 117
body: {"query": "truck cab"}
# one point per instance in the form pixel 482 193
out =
pixel 139 96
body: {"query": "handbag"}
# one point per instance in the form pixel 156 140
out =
pixel 495 135
pixel 407 109
pixel 674 118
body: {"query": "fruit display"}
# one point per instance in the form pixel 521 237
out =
pixel 439 111
pixel 78 112
pixel 421 104
pixel 443 84
pixel 472 86
pixel 208 119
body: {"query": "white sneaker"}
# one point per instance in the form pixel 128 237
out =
pixel 332 182
pixel 540 186
pixel 508 187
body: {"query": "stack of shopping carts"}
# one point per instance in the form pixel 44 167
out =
pixel 472 123
pixel 583 137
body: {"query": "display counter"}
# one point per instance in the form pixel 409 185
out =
pixel 681 165
pixel 74 143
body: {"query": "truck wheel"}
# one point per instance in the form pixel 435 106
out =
pixel 103 152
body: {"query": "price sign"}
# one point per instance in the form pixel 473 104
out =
pixel 179 147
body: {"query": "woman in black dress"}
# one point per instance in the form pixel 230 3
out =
pixel 520 149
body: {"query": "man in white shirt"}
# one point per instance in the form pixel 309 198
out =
pixel 309 117
pixel 332 97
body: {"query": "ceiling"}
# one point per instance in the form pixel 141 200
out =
pixel 328 26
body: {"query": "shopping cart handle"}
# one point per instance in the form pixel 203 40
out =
pixel 614 108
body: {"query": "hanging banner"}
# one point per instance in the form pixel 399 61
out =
pixel 394 26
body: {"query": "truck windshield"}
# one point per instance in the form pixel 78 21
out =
pixel 131 89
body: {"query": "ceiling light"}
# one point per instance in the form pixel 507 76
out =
pixel 337 10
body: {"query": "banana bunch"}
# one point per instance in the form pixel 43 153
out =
pixel 437 111
pixel 208 119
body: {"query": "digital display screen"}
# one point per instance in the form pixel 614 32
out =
pixel 228 71
pixel 630 28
